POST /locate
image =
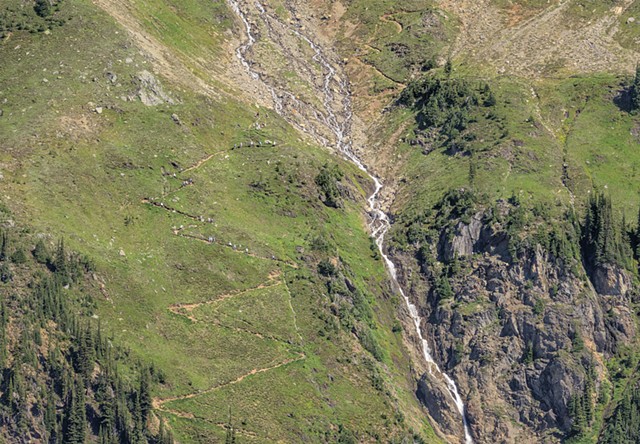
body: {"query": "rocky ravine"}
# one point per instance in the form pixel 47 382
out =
pixel 520 336
pixel 326 116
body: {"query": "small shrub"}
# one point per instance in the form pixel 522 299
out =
pixel 326 268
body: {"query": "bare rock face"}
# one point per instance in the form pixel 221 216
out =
pixel 609 280
pixel 465 238
pixel 433 394
pixel 519 336
pixel 472 237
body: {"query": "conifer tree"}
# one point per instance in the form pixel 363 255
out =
pixel 50 418
pixel 635 91
pixel 40 252
pixel 231 432
pixel 42 8
pixel 60 263
pixel 145 394
pixel 75 416
pixel 6 275
pixel 4 246
pixel 3 334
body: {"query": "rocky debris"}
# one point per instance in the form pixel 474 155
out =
pixel 176 119
pixel 514 44
pixel 150 91
pixel 111 77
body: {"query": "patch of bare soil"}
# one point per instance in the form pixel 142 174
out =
pixel 540 45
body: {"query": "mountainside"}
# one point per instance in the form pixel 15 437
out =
pixel 326 221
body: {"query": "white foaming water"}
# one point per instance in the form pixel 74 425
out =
pixel 379 224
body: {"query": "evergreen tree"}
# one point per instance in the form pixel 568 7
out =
pixel 448 68
pixel 4 319
pixel 231 435
pixel 40 252
pixel 443 287
pixel 4 246
pixel 164 436
pixel 635 91
pixel 75 415
pixel 85 358
pixel 104 398
pixel 42 8
pixel 6 275
pixel 50 419
pixel 145 394
pixel 60 263
pixel 231 432
pixel 18 256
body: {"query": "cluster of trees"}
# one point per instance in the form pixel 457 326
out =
pixel 623 427
pixel 328 181
pixel 446 105
pixel 604 241
pixel 65 379
pixel 582 405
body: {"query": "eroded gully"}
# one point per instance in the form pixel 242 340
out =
pixel 336 117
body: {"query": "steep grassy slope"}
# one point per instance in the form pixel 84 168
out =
pixel 207 254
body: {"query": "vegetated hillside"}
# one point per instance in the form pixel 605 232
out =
pixel 63 378
pixel 516 230
pixel 515 170
pixel 231 252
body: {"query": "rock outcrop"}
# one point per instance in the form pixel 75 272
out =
pixel 149 90
pixel 520 335
pixel 433 394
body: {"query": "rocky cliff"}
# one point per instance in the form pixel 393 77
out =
pixel 523 331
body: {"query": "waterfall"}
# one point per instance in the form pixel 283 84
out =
pixel 380 223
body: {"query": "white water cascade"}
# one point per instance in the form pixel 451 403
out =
pixel 379 224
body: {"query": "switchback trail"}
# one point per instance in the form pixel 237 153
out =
pixel 274 279
pixel 159 403
pixel 184 309
pixel 211 239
